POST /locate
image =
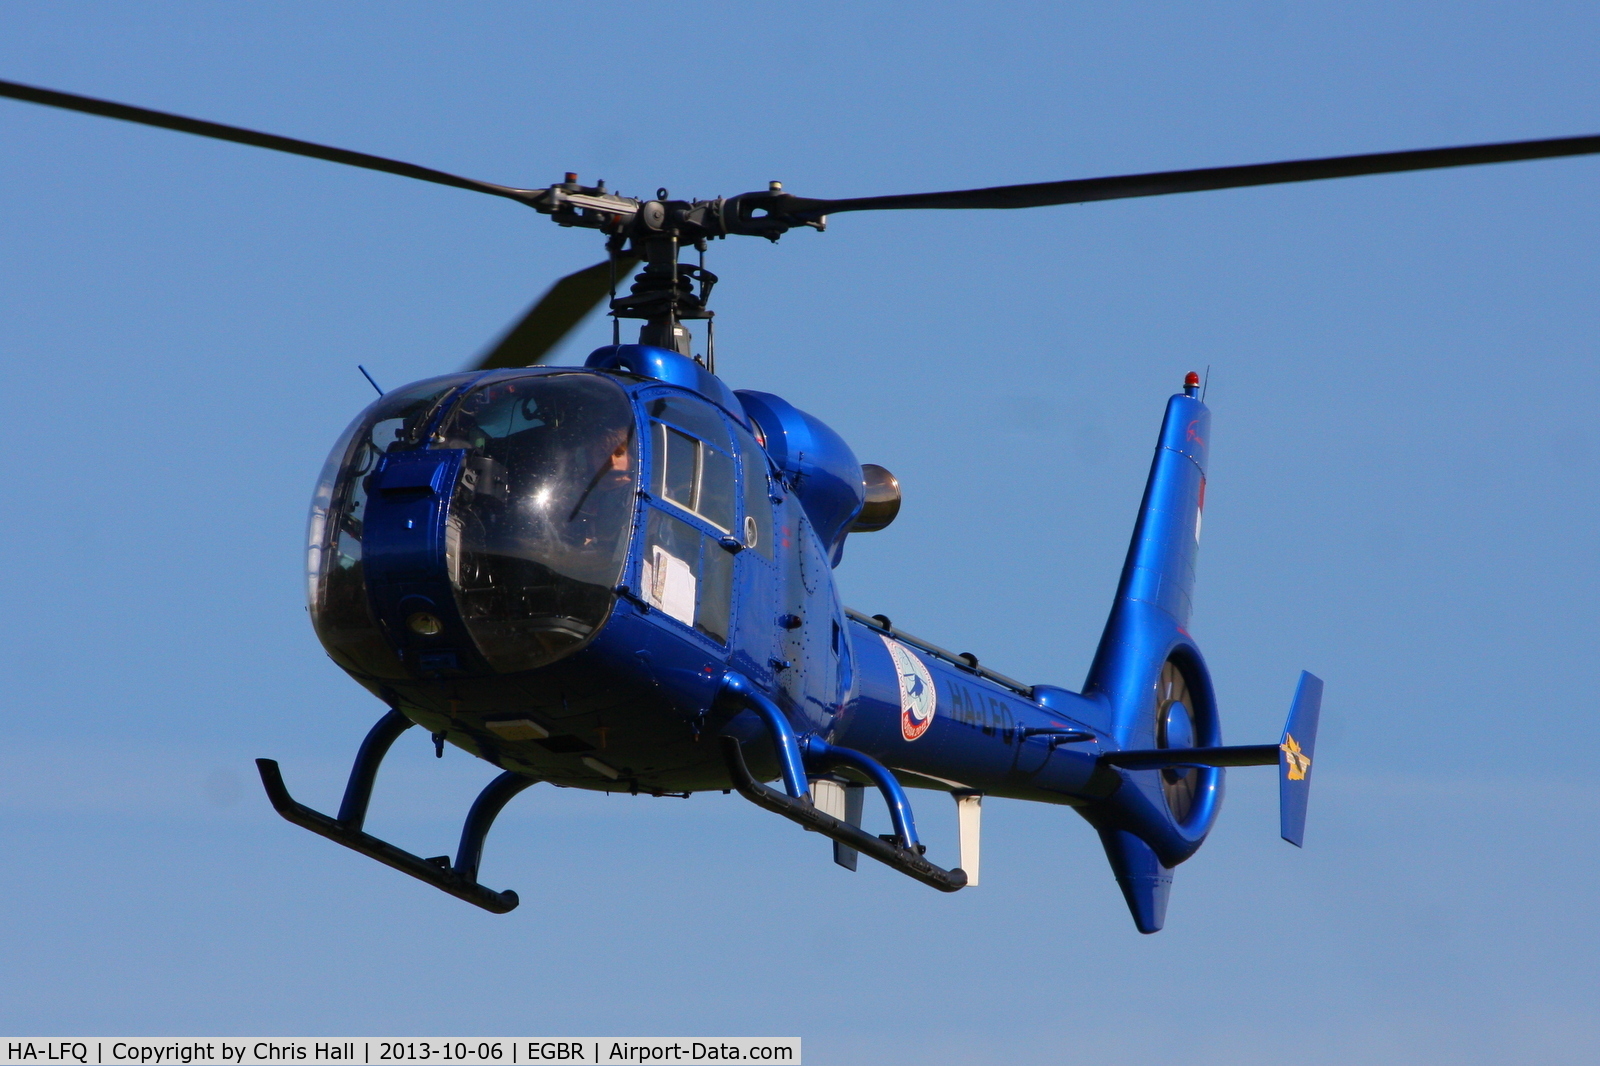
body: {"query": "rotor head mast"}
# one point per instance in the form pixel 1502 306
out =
pixel 663 293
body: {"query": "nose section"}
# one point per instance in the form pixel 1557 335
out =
pixel 464 578
pixel 409 582
pixel 488 541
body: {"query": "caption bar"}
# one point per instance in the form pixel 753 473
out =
pixel 371 1051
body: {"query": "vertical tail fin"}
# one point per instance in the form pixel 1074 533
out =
pixel 1154 596
pixel 1145 633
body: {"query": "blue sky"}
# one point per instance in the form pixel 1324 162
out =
pixel 1401 500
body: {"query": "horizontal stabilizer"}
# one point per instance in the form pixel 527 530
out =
pixel 1294 758
pixel 1168 758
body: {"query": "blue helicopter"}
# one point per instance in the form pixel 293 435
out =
pixel 619 577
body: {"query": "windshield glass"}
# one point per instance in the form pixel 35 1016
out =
pixel 538 528
pixel 337 591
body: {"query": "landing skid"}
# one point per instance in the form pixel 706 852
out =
pixel 460 879
pixel 907 860
pixel 900 851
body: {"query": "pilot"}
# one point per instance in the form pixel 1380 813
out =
pixel 601 513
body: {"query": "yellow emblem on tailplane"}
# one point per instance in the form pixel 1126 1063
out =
pixel 1299 761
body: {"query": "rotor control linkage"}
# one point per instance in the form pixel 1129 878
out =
pixel 459 879
pixel 902 852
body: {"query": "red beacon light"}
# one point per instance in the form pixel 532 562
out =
pixel 1191 384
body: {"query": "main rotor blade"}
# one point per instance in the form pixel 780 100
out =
pixel 1163 183
pixel 554 315
pixel 202 128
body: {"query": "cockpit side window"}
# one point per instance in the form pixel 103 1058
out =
pixel 694 417
pixel 687 572
pixel 694 459
pixel 677 466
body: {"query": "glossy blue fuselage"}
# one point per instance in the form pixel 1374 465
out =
pixel 630 702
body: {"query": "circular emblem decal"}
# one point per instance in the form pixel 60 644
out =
pixel 918 700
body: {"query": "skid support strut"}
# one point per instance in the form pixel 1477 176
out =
pixel 825 756
pixel 460 879
pixel 903 852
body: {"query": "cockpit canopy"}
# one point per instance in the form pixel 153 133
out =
pixel 484 517
pixel 538 530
